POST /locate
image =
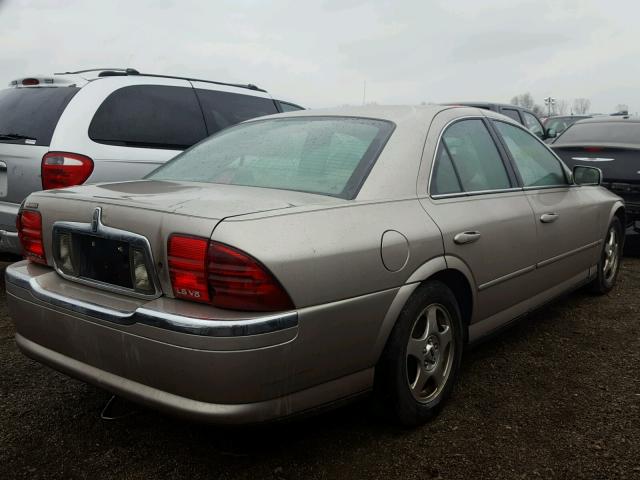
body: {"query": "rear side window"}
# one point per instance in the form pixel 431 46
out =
pixel 533 124
pixel 149 116
pixel 223 109
pixel 512 114
pixel 30 115
pixel 289 107
pixel 605 132
pixel 445 178
pixel 537 165
pixel 474 157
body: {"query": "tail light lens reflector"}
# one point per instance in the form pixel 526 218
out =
pixel 63 169
pixel 29 225
pixel 240 282
pixel 187 257
pixel 215 273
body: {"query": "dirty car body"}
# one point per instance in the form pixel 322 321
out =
pixel 343 242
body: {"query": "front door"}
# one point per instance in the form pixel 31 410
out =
pixel 566 220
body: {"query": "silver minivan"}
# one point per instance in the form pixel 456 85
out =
pixel 107 125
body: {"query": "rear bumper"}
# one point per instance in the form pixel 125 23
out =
pixel 226 371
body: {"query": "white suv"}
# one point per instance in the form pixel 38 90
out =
pixel 107 125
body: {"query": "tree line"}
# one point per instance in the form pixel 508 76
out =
pixel 579 106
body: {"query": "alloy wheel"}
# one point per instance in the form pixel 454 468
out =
pixel 611 255
pixel 430 353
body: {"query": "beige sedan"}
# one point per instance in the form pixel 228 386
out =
pixel 298 260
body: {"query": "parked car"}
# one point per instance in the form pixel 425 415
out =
pixel 554 126
pixel 294 261
pixel 613 145
pixel 107 125
pixel 519 114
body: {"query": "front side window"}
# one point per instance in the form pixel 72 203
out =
pixel 149 116
pixel 538 167
pixel 533 124
pixel 474 158
pixel 324 155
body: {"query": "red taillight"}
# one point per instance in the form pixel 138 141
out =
pixel 239 282
pixel 187 258
pixel 593 149
pixel 29 225
pixel 226 277
pixel 63 169
pixel 28 82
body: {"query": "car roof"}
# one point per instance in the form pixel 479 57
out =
pixel 394 113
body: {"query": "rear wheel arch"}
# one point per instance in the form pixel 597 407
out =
pixel 459 285
pixel 455 279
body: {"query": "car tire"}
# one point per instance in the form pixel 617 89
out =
pixel 421 360
pixel 610 259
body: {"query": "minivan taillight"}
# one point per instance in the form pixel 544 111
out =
pixel 215 273
pixel 64 169
pixel 29 224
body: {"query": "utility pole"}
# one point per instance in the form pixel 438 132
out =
pixel 364 92
pixel 549 102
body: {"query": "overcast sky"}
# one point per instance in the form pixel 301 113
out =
pixel 320 53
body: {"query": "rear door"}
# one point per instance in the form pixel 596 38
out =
pixel 566 216
pixel 485 218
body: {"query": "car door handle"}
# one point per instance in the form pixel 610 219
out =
pixel 466 237
pixel 549 217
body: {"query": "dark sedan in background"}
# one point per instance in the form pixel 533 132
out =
pixel 613 145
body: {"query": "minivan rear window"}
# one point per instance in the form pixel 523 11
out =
pixel 324 155
pixel 605 132
pixel 30 115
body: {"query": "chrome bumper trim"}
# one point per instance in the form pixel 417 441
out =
pixel 177 323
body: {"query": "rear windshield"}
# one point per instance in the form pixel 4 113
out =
pixel 614 132
pixel 30 115
pixel 324 155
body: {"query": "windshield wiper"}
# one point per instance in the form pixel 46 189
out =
pixel 15 136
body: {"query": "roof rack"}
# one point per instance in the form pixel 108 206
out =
pixel 131 71
pixel 108 72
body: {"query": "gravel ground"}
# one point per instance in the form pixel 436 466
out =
pixel 556 396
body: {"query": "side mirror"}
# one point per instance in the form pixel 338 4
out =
pixel 551 133
pixel 587 175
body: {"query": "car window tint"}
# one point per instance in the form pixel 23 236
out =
pixel 536 164
pixel 602 132
pixel 533 124
pixel 32 113
pixel 445 180
pixel 223 109
pixel 149 116
pixel 289 107
pixel 325 155
pixel 475 156
pixel 512 113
